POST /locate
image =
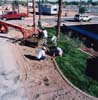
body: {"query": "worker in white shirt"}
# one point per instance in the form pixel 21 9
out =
pixel 54 40
pixel 1 12
pixel 55 51
pixel 41 54
pixel 60 51
pixel 45 33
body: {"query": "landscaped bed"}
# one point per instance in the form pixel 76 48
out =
pixel 73 64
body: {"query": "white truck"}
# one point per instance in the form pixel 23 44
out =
pixel 82 17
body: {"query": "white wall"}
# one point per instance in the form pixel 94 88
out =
pixel 54 9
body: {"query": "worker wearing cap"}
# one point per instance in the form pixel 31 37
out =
pixel 45 33
pixel 54 40
pixel 41 54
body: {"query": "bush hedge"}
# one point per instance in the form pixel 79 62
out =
pixel 73 64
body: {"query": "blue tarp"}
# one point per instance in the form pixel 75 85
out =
pixel 84 32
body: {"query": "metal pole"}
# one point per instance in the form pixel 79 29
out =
pixel 39 21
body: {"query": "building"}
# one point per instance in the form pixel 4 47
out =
pixel 49 8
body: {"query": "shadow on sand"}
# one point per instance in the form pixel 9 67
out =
pixel 31 57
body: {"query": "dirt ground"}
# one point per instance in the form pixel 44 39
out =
pixel 41 80
pixel 10 86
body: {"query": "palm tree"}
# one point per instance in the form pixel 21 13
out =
pixel 34 13
pixel 59 18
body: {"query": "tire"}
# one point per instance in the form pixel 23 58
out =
pixel 81 20
pixel 4 19
pixel 22 18
pixel 89 19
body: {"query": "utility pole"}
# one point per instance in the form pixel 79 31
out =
pixel 59 18
pixel 39 21
pixel 34 13
pixel 80 5
pixel 27 8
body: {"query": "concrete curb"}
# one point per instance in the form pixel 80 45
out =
pixel 74 87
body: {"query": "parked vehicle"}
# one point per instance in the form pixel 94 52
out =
pixel 1 12
pixel 13 15
pixel 82 17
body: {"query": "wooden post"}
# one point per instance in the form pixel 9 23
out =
pixel 80 6
pixel 27 8
pixel 34 13
pixel 59 18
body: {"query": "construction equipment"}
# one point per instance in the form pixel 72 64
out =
pixel 3 28
pixel 29 35
pixel 26 32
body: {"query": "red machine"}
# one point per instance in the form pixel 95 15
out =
pixel 26 32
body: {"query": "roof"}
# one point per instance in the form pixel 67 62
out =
pixel 48 4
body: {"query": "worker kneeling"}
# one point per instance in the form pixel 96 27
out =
pixel 55 51
pixel 41 54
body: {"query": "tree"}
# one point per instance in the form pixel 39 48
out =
pixel 46 1
pixel 43 1
pixel 5 1
pixel 82 10
pixel 94 3
pixel 89 1
pixel 65 3
pixel 74 3
pixel 0 2
pixel 15 5
pixel 23 3
pixel 59 18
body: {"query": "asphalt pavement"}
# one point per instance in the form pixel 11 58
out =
pixel 50 21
